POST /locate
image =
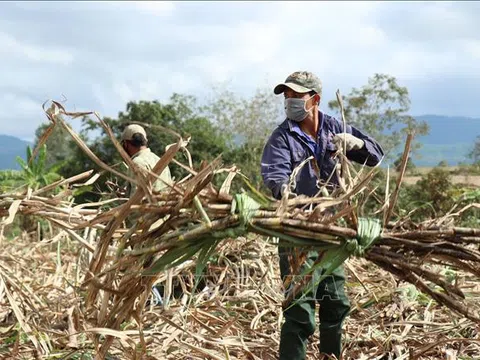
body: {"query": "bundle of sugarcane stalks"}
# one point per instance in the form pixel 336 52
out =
pixel 151 234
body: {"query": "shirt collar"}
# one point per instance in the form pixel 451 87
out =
pixel 293 126
pixel 138 153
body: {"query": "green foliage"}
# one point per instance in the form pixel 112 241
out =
pixel 10 180
pixel 33 174
pixel 61 147
pixel 381 109
pixel 228 125
pixel 180 114
pixel 472 195
pixel 433 196
pixel 236 128
pixel 410 165
pixel 207 141
pixel 410 293
pixel 474 154
pixel 466 169
pixel 246 123
pixel 465 197
pixel 434 192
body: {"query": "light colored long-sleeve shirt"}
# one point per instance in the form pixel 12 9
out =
pixel 146 159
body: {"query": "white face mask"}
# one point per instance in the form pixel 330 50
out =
pixel 295 108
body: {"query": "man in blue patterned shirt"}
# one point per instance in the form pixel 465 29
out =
pixel 308 132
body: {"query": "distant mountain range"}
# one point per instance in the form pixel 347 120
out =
pixel 10 148
pixel 450 139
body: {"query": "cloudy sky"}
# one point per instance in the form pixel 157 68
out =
pixel 100 55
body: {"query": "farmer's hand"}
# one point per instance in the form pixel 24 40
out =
pixel 352 142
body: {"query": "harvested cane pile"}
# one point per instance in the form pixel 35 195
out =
pixel 191 218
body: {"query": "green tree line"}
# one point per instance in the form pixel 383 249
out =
pixel 232 126
pixel 237 127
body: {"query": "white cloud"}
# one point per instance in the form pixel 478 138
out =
pixel 31 112
pixel 156 8
pixel 11 46
pixel 103 99
pixel 118 52
pixel 123 91
pixel 370 37
pixel 256 43
pixel 413 62
pixel 161 8
pixel 472 48
pixel 12 102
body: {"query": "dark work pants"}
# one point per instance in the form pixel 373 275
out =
pixel 300 322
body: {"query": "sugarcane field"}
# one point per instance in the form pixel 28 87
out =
pixel 80 288
pixel 228 180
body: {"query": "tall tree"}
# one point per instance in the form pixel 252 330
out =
pixel 179 114
pixel 246 122
pixel 59 143
pixel 63 153
pixel 381 108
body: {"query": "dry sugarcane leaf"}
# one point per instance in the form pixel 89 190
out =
pixel 41 347
pixel 12 211
pixel 225 188
pixel 120 272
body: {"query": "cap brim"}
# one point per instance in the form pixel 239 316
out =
pixel 280 88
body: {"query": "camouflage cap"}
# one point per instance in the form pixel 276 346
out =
pixel 301 82
pixel 131 130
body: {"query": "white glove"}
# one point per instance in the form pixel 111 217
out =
pixel 352 142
